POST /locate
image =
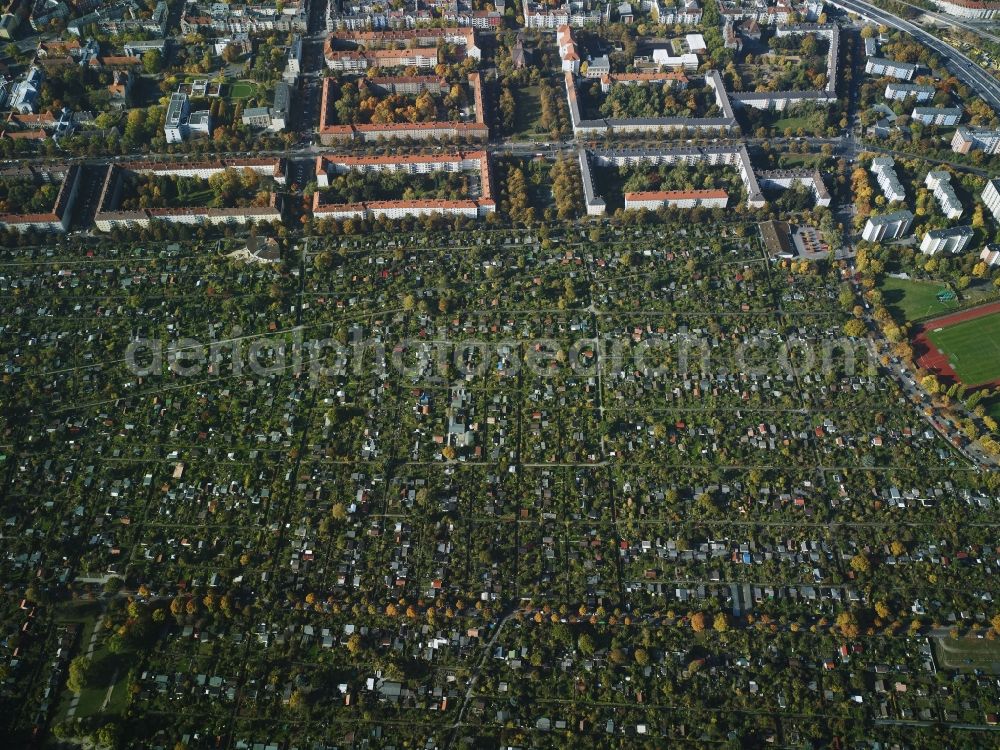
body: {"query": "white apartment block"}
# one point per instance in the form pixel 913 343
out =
pixel 879 66
pixel 976 139
pixel 991 197
pixel 540 17
pixel 884 169
pixel 887 226
pixel 939 183
pixel 945 116
pixel 653 200
pixel 687 13
pixel 900 91
pixel 974 9
pixel 951 240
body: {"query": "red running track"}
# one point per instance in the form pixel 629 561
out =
pixel 927 356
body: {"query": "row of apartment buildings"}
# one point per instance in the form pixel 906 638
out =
pixel 655 199
pixel 979 10
pixel 939 183
pixel 59 217
pixel 967 140
pixel 249 18
pixel 331 132
pixel 734 156
pixel 722 124
pixel 109 215
pixel 371 15
pixel 477 162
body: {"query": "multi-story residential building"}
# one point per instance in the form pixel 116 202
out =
pixel 975 139
pixel 879 66
pixel 780 100
pixel 477 19
pixel 293 61
pixel 991 197
pixel 949 240
pixel 990 256
pixel 781 12
pixel 538 16
pixel 884 169
pixel 653 200
pixel 124 18
pixel 887 227
pixel 250 18
pixel 735 156
pixel 567 49
pixel 687 13
pixel 944 116
pixel 378 48
pixel 476 162
pixel 900 91
pixel 330 132
pixel 786 178
pixel 109 215
pixel 355 60
pixel 724 123
pixel 668 79
pixel 939 182
pixel 978 10
pixel 594 203
pixel 56 220
pixel 44 12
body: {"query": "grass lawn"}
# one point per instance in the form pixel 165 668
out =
pixel 993 408
pixel 242 90
pixel 813 122
pixel 914 300
pixel 197 198
pixel 528 113
pixel 789 161
pixel 966 654
pixel 110 674
pixel 972 347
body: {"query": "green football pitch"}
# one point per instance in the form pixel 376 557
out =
pixel 972 348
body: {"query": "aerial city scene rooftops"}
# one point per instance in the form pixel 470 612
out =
pixel 455 374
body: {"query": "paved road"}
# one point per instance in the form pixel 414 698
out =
pixel 974 76
pixel 954 21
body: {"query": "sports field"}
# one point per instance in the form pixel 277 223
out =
pixel 242 90
pixel 966 654
pixel 972 348
pixel 916 300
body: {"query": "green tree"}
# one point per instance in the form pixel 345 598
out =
pixel 79 673
pixel 152 62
